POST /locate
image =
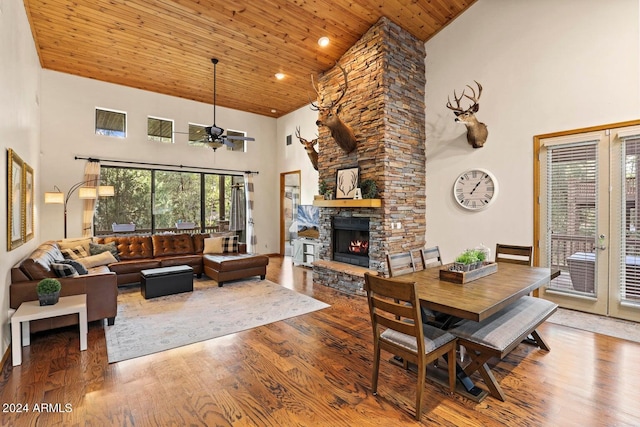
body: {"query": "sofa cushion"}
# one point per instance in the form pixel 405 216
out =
pixel 234 262
pixel 131 247
pixel 75 242
pixel 64 270
pixel 75 253
pixel 38 265
pixel 221 245
pixel 81 269
pixel 170 261
pixel 172 244
pixel 133 265
pixel 98 248
pixel 104 258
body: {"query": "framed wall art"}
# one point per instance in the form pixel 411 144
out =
pixel 346 183
pixel 27 232
pixel 15 177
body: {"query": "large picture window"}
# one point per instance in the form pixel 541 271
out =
pixel 157 201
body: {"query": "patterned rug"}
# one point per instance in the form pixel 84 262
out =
pixel 598 324
pixel 148 326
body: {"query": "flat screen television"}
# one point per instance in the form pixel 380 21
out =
pixel 308 221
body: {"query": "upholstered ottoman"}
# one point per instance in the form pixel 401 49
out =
pixel 157 282
pixel 224 267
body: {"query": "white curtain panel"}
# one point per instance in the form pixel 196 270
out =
pixel 252 240
pixel 92 179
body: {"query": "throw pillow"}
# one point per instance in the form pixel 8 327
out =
pixel 77 241
pixel 74 253
pixel 75 264
pixel 63 270
pixel 220 245
pixel 96 248
pixel 213 245
pixel 230 244
pixel 104 258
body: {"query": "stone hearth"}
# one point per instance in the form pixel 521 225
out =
pixel 384 105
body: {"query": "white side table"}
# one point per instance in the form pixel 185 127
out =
pixel 32 310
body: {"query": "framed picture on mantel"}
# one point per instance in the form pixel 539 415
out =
pixel 346 183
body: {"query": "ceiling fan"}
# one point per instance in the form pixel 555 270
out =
pixel 213 136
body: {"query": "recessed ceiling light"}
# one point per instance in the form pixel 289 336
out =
pixel 279 76
pixel 323 41
pixel 274 111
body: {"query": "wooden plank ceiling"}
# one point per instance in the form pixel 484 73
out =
pixel 166 46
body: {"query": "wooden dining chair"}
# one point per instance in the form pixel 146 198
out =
pixel 399 264
pixel 431 257
pixel 397 328
pixel 514 254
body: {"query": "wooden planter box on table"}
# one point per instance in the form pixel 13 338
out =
pixel 462 277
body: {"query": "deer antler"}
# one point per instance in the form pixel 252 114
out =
pixel 316 107
pixel 298 132
pixel 473 98
pixel 457 107
pixel 344 89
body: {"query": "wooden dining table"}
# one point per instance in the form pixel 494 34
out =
pixel 478 299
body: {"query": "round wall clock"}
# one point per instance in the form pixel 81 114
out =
pixel 475 189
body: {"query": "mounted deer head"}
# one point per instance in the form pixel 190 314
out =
pixel 476 131
pixel 308 146
pixel 328 116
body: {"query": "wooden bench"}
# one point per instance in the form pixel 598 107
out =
pixel 499 334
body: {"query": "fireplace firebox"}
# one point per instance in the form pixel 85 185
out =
pixel 351 240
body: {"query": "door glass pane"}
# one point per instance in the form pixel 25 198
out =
pixel 572 182
pixel 130 207
pixel 176 200
pixel 630 259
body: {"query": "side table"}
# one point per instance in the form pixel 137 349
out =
pixel 32 310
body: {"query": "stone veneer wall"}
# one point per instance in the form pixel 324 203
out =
pixel 384 105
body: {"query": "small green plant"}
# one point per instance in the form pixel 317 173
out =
pixel 48 286
pixel 323 187
pixel 471 256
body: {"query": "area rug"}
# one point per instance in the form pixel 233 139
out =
pixel 598 324
pixel 144 327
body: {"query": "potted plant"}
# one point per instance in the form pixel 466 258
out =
pixel 470 259
pixel 48 291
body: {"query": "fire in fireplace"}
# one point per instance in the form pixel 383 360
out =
pixel 351 240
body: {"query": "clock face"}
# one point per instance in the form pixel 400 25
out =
pixel 475 189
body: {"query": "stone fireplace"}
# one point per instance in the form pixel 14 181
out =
pixel 384 105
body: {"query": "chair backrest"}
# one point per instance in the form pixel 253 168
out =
pixel 399 264
pixel 431 257
pixel 393 304
pixel 514 254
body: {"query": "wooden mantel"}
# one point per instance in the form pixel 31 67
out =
pixel 348 203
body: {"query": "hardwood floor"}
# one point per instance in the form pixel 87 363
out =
pixel 312 370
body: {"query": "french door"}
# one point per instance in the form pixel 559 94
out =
pixel 588 219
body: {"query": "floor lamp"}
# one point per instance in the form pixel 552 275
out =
pixel 88 192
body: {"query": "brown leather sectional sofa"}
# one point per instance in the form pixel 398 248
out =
pixel 136 253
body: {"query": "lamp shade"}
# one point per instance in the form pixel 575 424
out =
pixel 106 191
pixel 56 197
pixel 87 193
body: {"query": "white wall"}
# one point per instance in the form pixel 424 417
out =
pixel 68 130
pixel 19 130
pixel 545 66
pixel 294 157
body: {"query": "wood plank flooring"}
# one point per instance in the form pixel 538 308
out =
pixel 312 370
